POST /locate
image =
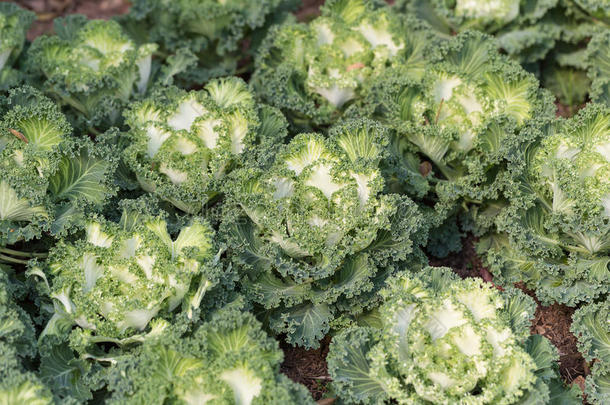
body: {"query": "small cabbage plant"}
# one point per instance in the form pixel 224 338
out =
pixel 314 72
pixel 122 280
pixel 555 236
pixel 182 144
pixel 18 383
pixel 48 178
pixel 14 22
pixel 442 340
pixel 462 118
pixel 591 325
pixel 314 236
pixel 227 360
pixel 92 67
pixel 521 27
pixel 218 34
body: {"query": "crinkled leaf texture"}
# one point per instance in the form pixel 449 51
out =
pixel 122 282
pixel 440 339
pixel 181 145
pixel 314 72
pixel 314 235
pixel 229 359
pixel 555 235
pixel 49 178
pixel 456 128
pixel 591 325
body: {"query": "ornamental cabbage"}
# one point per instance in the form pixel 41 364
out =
pixel 519 26
pixel 439 339
pixel 555 236
pixel 48 178
pixel 18 385
pixel 182 144
pixel 314 234
pixel 227 360
pixel 464 116
pixel 92 67
pixel 314 72
pixel 214 32
pixel 14 22
pixel 591 325
pixel 123 279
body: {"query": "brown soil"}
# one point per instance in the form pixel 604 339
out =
pixel 308 367
pixel 47 10
pixel 465 263
pixel 554 322
pixel 309 10
pixel 567 111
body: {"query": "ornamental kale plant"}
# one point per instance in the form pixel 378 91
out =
pixel 313 72
pixel 14 22
pixel 519 26
pixel 556 234
pixel 121 280
pixel 591 324
pixel 464 115
pixel 548 37
pixel 314 234
pixel 215 33
pixel 18 384
pixel 228 360
pixel 92 67
pixel 182 144
pixel 438 339
pixel 49 179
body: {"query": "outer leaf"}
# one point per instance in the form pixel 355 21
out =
pixel 349 364
pixel 305 325
pixel 64 373
pixel 83 177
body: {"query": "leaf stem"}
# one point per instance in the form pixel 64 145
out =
pixel 8 259
pixel 22 254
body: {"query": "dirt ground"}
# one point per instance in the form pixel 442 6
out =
pixel 309 366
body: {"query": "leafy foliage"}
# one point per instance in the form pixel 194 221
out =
pixel 214 32
pixel 14 22
pixel 116 281
pixel 314 72
pixel 591 324
pixel 182 144
pixel 93 67
pixel 463 118
pixel 228 360
pixel 314 233
pixel 163 225
pixel 49 179
pixel 554 236
pixel 445 340
pixel 546 36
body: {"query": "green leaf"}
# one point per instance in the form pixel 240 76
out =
pixel 64 373
pixel 349 366
pixel 81 177
pixel 13 208
pixel 305 324
pixel 177 63
pixel 598 384
pixel 570 86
